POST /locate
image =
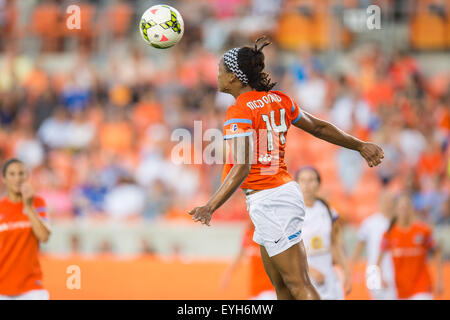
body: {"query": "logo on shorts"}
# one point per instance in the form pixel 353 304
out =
pixel 234 127
pixel 278 240
pixel 295 235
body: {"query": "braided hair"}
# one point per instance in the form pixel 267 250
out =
pixel 251 61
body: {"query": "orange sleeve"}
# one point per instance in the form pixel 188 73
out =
pixel 237 123
pixel 40 207
pixel 294 112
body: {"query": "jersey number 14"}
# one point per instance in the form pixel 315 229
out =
pixel 273 127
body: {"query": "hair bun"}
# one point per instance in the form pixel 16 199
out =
pixel 265 43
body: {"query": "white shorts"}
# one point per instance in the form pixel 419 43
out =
pixel 278 215
pixel 29 295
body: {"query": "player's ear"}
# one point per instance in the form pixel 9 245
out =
pixel 233 78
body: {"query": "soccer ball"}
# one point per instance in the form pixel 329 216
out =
pixel 161 26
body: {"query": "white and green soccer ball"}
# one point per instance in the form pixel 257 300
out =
pixel 161 26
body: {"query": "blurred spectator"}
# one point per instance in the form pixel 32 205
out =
pixel 79 131
pixel 125 200
pixel 53 131
pixel 445 219
pixel 434 200
pixel 157 200
pixel 29 149
pixel 147 247
pixel 85 116
pixel 412 144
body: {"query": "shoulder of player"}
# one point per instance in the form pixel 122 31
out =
pixel 422 226
pixel 283 96
pixel 249 96
pixel 324 207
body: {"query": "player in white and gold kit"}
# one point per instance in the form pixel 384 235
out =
pixel 321 238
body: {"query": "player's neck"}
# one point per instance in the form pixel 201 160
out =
pixel 405 223
pixel 309 201
pixel 14 197
pixel 240 91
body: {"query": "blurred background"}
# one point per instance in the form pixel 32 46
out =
pixel 91 112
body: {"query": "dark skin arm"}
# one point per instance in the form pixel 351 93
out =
pixel 240 170
pixel 324 130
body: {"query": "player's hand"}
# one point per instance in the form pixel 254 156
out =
pixel 318 276
pixel 202 214
pixel 372 153
pixel 27 194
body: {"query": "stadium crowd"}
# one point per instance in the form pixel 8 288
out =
pixel 95 125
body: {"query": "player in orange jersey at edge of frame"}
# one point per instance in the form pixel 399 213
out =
pixel 22 228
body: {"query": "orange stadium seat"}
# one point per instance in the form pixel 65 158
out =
pixel 327 29
pixel 427 31
pixel 9 29
pixel 45 23
pixel 447 25
pixel 118 19
pixel 294 31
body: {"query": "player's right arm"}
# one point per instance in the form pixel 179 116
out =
pixel 324 130
pixel 241 150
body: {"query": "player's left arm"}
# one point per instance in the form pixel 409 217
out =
pixel 338 254
pixel 324 130
pixel 39 227
pixel 238 173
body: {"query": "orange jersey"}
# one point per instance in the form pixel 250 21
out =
pixel 259 281
pixel 266 116
pixel 409 254
pixel 20 270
